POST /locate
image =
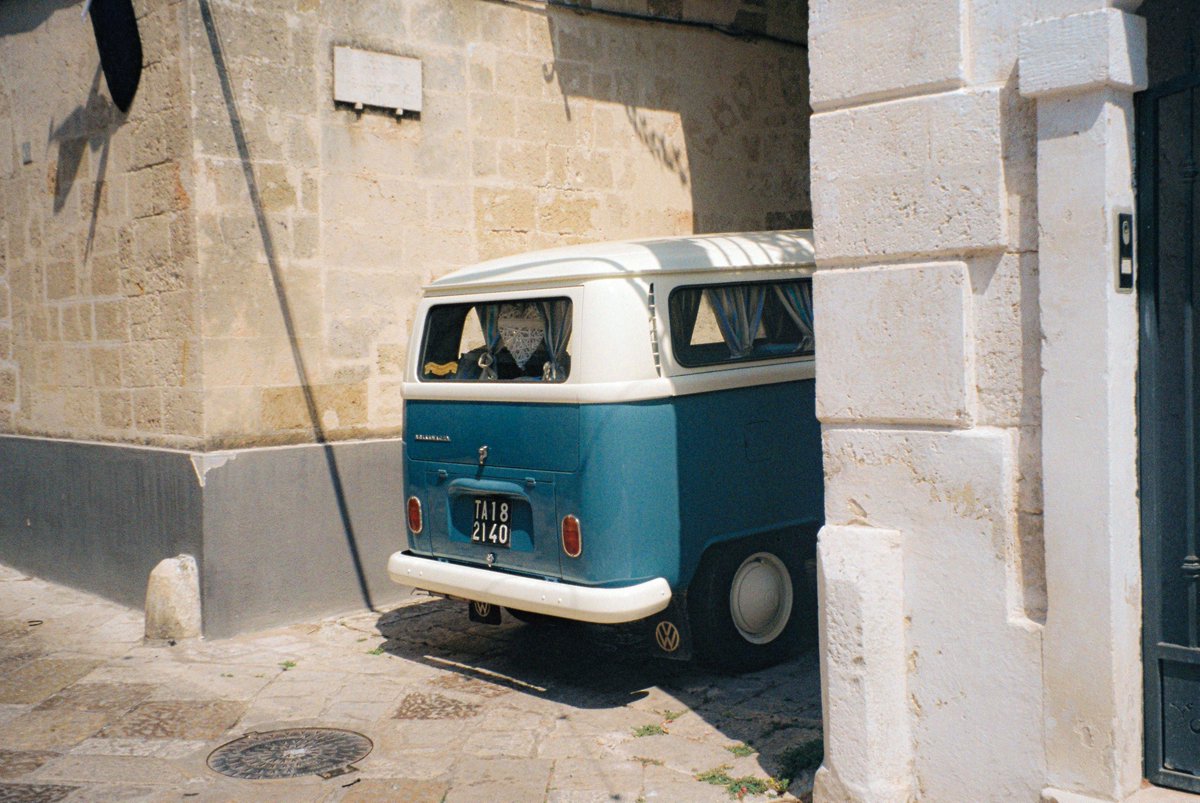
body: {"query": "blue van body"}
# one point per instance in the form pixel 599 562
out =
pixel 658 484
pixel 691 484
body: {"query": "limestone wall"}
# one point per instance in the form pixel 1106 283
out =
pixel 540 127
pixel 236 261
pixel 924 194
pixel 99 293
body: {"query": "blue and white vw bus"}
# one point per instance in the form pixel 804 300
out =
pixel 622 432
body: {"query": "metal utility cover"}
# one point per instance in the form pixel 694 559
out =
pixel 290 753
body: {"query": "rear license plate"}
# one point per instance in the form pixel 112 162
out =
pixel 492 521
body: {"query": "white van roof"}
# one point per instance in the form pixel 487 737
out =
pixel 686 254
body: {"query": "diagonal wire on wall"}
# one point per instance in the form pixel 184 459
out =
pixel 318 431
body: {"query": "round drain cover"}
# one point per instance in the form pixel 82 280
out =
pixel 289 753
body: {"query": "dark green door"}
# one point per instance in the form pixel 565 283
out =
pixel 1169 430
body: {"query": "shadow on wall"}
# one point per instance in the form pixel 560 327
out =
pixel 741 105
pixel 89 125
pixel 285 307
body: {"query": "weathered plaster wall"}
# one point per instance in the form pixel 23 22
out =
pixel 928 386
pixel 540 127
pixel 99 293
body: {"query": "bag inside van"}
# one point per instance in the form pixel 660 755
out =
pixel 504 341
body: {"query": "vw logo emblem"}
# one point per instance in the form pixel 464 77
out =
pixel 482 608
pixel 667 636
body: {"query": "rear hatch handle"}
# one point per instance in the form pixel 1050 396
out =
pixel 466 485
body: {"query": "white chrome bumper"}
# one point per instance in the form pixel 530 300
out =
pixel 585 604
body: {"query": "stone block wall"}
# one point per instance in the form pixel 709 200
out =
pixel 540 127
pixel 235 263
pixel 924 189
pixel 99 293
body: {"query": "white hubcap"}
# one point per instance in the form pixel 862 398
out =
pixel 760 598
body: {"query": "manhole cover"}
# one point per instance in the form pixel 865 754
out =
pixel 290 753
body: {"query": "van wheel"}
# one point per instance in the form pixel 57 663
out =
pixel 745 604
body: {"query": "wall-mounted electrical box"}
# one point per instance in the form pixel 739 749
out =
pixel 1125 252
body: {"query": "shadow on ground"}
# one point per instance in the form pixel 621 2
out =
pixel 774 711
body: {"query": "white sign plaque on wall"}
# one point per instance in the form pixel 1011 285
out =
pixel 365 78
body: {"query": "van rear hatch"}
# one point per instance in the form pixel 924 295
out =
pixel 486 475
pixel 540 437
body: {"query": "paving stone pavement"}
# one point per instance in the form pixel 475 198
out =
pixel 456 711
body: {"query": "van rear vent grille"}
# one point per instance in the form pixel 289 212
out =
pixel 654 334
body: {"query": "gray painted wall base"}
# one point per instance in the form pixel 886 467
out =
pixel 280 534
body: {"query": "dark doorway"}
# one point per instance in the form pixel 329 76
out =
pixel 1168 163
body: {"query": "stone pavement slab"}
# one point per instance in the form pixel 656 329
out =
pixel 136 770
pixel 156 748
pixel 176 719
pixel 388 791
pixel 36 680
pixel 15 763
pixel 47 730
pixel 456 711
pixel 34 793
pixel 114 793
pixel 100 698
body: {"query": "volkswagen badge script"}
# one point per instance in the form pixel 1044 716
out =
pixel 435 438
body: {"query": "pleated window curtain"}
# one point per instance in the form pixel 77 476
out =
pixel 739 311
pixel 557 314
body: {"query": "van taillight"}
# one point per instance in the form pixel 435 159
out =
pixel 572 540
pixel 414 515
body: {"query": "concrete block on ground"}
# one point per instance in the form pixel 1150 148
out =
pixel 173 599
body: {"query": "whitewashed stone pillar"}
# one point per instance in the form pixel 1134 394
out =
pixel 1083 70
pixel 923 182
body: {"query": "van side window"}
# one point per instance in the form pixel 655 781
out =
pixel 509 341
pixel 719 323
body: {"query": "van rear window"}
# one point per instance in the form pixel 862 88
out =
pixel 720 323
pixel 508 341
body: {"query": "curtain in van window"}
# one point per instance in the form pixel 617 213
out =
pixel 557 313
pixel 796 298
pixel 685 306
pixel 739 312
pixel 489 321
